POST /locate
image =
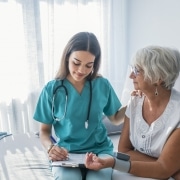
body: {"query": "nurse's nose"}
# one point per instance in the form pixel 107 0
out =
pixel 82 69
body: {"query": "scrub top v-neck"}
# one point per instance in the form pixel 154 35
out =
pixel 71 130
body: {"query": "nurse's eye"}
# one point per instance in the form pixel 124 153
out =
pixel 76 63
pixel 89 66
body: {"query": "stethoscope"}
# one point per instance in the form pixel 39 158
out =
pixel 66 100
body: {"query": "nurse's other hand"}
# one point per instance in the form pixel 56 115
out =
pixel 137 93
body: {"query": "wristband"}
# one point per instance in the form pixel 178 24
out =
pixel 121 165
pixel 49 148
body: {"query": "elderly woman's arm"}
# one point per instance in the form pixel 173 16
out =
pixel 165 166
pixel 142 165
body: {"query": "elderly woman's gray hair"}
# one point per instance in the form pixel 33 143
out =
pixel 159 63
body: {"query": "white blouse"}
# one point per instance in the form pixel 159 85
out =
pixel 151 139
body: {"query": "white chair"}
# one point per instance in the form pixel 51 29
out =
pixel 117 175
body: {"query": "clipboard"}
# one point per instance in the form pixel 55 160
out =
pixel 74 160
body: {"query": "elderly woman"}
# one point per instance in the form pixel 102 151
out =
pixel 151 132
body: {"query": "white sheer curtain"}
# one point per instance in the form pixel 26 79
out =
pixel 32 36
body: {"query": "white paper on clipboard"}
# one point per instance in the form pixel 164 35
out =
pixel 74 160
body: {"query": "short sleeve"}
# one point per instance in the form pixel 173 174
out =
pixel 44 106
pixel 113 103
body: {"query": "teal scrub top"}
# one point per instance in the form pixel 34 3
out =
pixel 71 130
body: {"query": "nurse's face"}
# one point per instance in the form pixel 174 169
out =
pixel 80 65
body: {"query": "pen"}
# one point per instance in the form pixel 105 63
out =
pixel 53 140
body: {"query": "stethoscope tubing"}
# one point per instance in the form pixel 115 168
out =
pixel 66 101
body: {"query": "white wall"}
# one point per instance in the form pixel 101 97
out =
pixel 152 22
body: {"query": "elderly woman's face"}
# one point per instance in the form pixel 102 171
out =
pixel 137 75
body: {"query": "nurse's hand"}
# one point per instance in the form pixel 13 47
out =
pixel 57 153
pixel 137 93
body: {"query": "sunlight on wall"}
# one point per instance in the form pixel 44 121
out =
pixel 32 37
pixel 55 32
pixel 79 19
pixel 13 68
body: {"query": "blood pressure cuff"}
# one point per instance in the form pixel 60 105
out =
pixel 121 162
pixel 121 165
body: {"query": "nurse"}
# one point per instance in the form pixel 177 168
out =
pixel 73 104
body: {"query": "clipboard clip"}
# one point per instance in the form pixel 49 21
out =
pixel 69 164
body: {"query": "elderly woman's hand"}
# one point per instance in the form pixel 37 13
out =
pixel 95 163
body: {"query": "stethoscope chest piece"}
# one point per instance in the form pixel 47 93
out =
pixel 86 124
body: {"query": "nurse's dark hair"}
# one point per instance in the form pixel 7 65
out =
pixel 82 41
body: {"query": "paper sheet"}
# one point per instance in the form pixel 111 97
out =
pixel 74 160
